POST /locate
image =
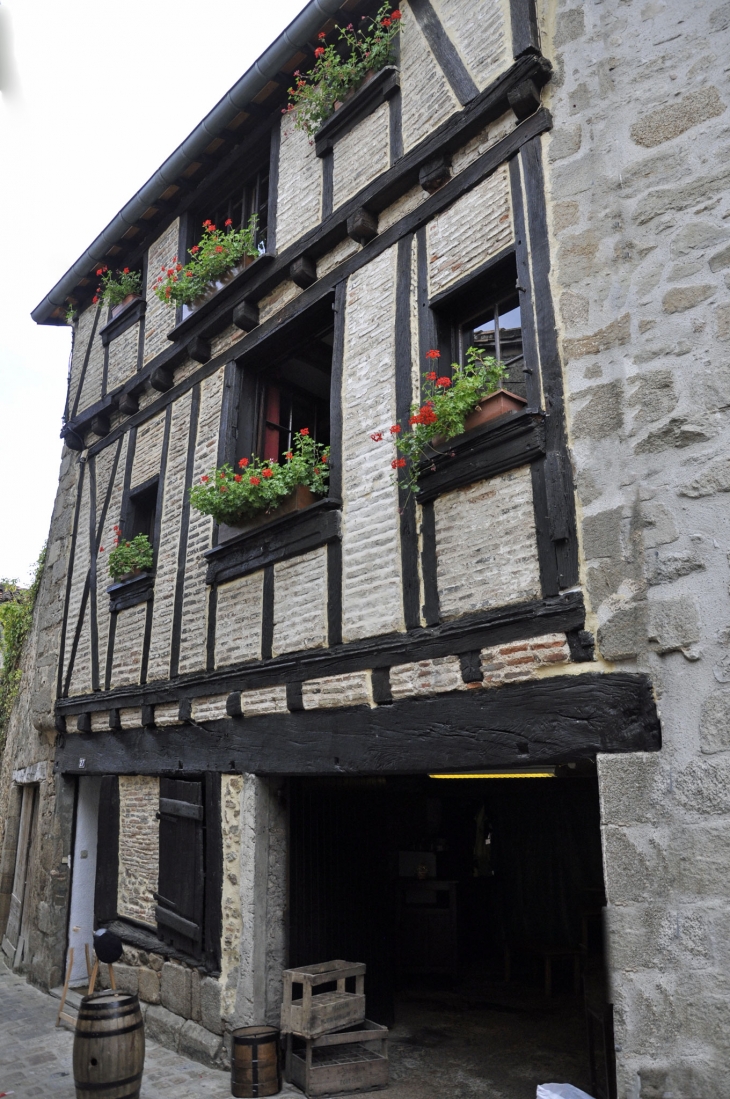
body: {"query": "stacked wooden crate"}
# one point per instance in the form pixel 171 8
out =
pixel 331 1047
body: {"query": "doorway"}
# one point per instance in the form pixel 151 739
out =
pixel 16 931
pixel 476 905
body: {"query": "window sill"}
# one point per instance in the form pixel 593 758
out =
pixel 289 536
pixel 217 298
pixel 124 320
pixel 511 441
pixel 128 593
pixel 139 936
pixel 384 85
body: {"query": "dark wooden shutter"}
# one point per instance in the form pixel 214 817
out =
pixel 181 889
pixel 107 851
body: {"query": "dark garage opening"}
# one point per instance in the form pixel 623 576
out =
pixel 465 898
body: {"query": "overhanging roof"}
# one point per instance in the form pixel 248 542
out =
pixel 270 64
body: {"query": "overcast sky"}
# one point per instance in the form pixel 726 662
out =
pixel 104 93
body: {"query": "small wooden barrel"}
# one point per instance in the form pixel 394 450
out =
pixel 255 1067
pixel 108 1053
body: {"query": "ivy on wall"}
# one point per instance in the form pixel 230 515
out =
pixel 16 617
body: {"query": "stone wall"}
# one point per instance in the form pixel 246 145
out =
pixel 139 846
pixel 638 208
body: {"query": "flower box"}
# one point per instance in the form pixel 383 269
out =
pixel 124 303
pixel 301 498
pixel 496 404
pixel 214 287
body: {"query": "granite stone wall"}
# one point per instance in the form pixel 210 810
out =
pixel 639 222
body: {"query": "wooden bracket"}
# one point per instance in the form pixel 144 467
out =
pixel 100 425
pixel 435 173
pixel 199 349
pixel 129 404
pixel 246 316
pixel 303 271
pixel 524 99
pixel 362 226
pixel 162 379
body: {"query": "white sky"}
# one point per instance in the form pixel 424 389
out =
pixel 105 92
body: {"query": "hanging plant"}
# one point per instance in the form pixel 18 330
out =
pixel 217 251
pixel 446 405
pixel 232 496
pixel 115 287
pixel 340 67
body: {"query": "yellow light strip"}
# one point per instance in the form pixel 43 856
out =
pixel 503 774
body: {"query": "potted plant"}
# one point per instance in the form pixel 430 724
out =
pixel 258 491
pixel 339 69
pixel 118 289
pixel 218 256
pixel 472 396
pixel 129 558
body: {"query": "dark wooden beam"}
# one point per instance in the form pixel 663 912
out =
pixel 445 52
pixel 561 719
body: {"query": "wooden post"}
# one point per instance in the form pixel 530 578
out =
pixel 92 979
pixel 61 1013
pixel 112 980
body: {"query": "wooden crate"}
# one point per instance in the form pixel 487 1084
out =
pixel 318 1013
pixel 351 1060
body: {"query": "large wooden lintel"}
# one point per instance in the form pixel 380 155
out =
pixel 558 614
pixel 562 719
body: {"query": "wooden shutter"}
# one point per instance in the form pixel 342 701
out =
pixel 181 889
pixel 107 851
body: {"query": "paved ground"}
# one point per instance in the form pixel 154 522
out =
pixel 479 1042
pixel 35 1057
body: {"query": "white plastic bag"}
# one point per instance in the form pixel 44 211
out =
pixel 560 1091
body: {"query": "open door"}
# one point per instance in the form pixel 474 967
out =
pixel 15 934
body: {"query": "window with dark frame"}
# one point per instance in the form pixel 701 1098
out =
pixel 141 510
pixel 239 203
pixel 486 314
pixel 288 393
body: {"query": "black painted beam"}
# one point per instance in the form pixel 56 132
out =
pixel 556 720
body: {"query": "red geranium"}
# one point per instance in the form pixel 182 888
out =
pixel 396 429
pixel 319 51
pixel 243 463
pixel 255 480
pixel 268 472
pixel 444 383
pixel 304 431
pixel 398 463
pixel 433 354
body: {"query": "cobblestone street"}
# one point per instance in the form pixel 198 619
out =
pixel 35 1057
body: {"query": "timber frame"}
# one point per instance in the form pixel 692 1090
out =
pixel 555 720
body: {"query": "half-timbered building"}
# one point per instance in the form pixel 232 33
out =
pixel 237 758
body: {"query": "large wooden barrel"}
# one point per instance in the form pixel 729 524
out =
pixel 108 1047
pixel 255 1070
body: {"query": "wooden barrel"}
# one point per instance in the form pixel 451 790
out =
pixel 255 1070
pixel 108 1047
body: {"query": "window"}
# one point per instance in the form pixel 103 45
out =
pixel 487 315
pixel 249 197
pixel 141 510
pixel 288 393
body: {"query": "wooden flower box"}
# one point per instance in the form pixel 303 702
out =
pixel 301 498
pixel 316 1013
pixel 351 1060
